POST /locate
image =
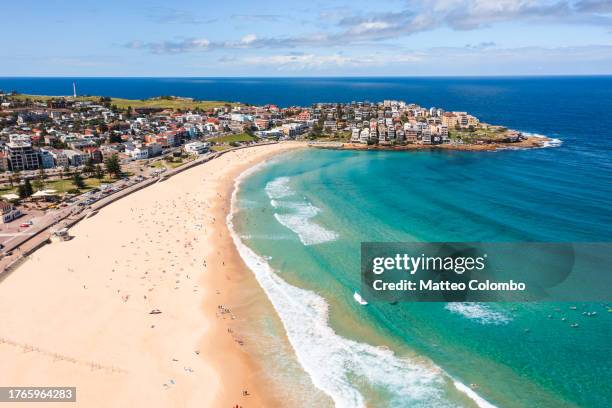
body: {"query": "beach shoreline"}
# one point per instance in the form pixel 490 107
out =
pixel 113 311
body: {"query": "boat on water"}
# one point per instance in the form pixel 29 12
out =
pixel 359 299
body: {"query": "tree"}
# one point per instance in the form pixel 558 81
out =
pixel 113 166
pixel 98 172
pixel 21 191
pixel 115 138
pixel 42 175
pixel 65 172
pixel 78 181
pixel 317 130
pixel 89 166
pixel 38 184
pixel 25 190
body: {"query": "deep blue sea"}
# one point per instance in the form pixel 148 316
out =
pixel 303 216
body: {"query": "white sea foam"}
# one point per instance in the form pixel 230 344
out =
pixel 279 188
pixel 481 402
pixel 299 222
pixel 478 312
pixel 298 214
pixel 550 143
pixel 335 363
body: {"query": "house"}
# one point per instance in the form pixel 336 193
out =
pixel 9 212
pixel 426 137
pixel 76 157
pixel 293 130
pixel 197 147
pixel 330 125
pixel 270 134
pixel 364 136
pixel 139 153
pixel 303 116
pixel 262 124
pixel 46 159
pixel 60 159
pixel 450 119
pixel 155 149
pixel 94 154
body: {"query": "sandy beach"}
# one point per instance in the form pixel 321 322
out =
pixel 141 307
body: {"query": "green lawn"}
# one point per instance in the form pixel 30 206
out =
pixel 61 186
pixel 241 137
pixel 220 148
pixel 167 104
pixel 479 133
pixel 173 164
pixel 122 103
pixel 176 163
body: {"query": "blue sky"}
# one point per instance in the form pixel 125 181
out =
pixel 306 38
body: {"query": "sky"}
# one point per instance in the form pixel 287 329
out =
pixel 306 38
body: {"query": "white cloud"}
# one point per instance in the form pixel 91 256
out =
pixel 483 59
pixel 355 29
pixel 248 39
pixel 368 26
pixel 303 61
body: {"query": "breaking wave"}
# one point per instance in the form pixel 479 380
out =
pixel 478 312
pixel 279 188
pixel 297 215
pixel 553 142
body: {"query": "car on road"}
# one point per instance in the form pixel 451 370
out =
pixel 24 225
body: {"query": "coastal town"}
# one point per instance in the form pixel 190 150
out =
pixel 53 133
pixel 61 156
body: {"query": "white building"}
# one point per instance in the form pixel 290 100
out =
pixel 9 212
pixel 76 157
pixel 197 147
pixel 139 153
pixel 364 136
pixel 272 133
pixel 294 129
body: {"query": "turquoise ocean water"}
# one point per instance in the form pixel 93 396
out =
pixel 306 213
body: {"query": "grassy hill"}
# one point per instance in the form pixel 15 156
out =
pixel 168 102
